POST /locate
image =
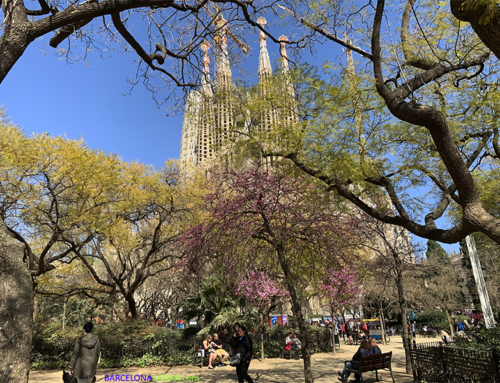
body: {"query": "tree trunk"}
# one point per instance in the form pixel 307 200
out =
pixel 334 329
pixel 487 31
pixel 64 316
pixel 16 310
pixel 402 307
pixel 262 326
pixel 297 311
pixel 132 305
pixel 450 322
pixel 16 35
pixel 382 324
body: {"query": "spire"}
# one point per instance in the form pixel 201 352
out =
pixel 205 79
pixel 284 57
pixel 264 62
pixel 223 68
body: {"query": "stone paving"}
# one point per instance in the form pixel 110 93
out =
pixel 324 367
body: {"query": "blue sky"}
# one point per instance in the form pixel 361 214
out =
pixel 45 94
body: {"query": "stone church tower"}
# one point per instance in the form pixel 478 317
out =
pixel 210 116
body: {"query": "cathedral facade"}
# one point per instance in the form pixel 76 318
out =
pixel 211 116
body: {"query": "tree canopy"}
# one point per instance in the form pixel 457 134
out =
pixel 437 254
pixel 415 119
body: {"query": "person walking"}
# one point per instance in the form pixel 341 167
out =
pixel 83 363
pixel 242 345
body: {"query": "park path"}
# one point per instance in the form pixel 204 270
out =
pixel 324 367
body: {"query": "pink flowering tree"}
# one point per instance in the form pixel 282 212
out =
pixel 262 219
pixel 264 293
pixel 339 288
pixel 261 291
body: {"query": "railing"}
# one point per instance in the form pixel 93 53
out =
pixel 439 363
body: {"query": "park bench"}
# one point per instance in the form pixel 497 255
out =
pixel 372 363
pixel 428 334
pixel 199 352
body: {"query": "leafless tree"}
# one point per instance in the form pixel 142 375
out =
pixel 393 256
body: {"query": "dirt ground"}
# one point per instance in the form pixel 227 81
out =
pixel 324 367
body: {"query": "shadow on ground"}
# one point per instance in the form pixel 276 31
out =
pixel 324 367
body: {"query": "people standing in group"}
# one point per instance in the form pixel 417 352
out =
pixel 242 345
pixel 83 364
pixel 219 351
pixel 364 349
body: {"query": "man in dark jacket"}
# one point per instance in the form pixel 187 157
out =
pixel 242 345
pixel 83 364
pixel 375 349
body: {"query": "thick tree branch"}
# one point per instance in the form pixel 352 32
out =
pixel 410 57
pixel 496 147
pixel 90 268
pixel 45 9
pixel 484 18
pixel 66 31
pixel 389 187
pixel 325 33
pixel 85 11
pixel 452 235
pixel 148 59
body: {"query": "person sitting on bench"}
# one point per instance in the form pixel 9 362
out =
pixel 375 349
pixel 296 346
pixel 364 349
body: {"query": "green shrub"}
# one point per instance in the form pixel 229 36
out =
pixel 144 345
pixel 480 339
pixel 434 319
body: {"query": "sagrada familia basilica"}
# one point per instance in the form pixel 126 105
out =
pixel 211 118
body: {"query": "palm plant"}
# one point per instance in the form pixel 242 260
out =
pixel 214 303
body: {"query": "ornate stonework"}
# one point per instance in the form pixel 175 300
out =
pixel 209 117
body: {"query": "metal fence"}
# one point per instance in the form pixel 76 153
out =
pixel 439 363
